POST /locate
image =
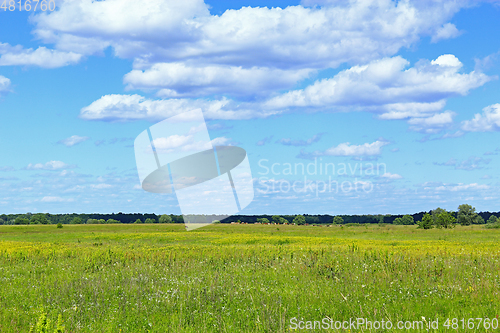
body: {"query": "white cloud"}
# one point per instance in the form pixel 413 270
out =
pixel 55 199
pixel 182 80
pixel 472 163
pixel 51 165
pixel 346 149
pixel 172 142
pixel 264 141
pixel 186 143
pixel 432 124
pixel 462 187
pixel 136 107
pixel 389 175
pixel 101 186
pixel 447 60
pixel 4 85
pixel 294 37
pixel 448 30
pixel 308 142
pixel 41 57
pixel 73 140
pixel 385 86
pixel 488 121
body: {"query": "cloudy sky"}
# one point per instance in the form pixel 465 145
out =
pixel 343 106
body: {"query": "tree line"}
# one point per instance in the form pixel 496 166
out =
pixel 439 217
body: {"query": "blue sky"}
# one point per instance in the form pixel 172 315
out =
pixel 408 88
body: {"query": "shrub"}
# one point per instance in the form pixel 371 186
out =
pixel 59 225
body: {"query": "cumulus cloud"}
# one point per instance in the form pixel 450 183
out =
pixel 448 30
pixel 73 140
pixel 136 107
pixel 488 121
pixel 383 86
pixel 296 143
pixel 432 124
pixel 387 87
pixel 185 143
pixel 182 80
pixel 4 85
pixel 41 57
pixel 292 37
pixel 347 149
pixel 392 176
pixel 51 165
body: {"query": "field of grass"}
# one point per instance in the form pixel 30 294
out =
pixel 243 278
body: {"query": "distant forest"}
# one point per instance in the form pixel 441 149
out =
pixel 45 218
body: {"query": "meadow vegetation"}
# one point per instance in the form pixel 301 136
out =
pixel 241 277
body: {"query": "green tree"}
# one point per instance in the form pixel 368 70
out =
pixel 150 220
pixel 398 220
pixel 436 212
pixel 262 220
pixel 165 219
pixel 445 220
pixel 102 221
pixel 138 221
pixel 276 219
pixel 76 220
pixel 92 221
pixel 466 214
pixel 21 220
pixel 427 222
pixel 312 219
pixel 112 221
pixel 39 219
pixel 338 220
pixel 299 220
pixel 479 220
pixel 493 219
pixel 407 220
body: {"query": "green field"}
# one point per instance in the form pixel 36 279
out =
pixel 244 278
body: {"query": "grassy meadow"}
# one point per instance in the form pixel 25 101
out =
pixel 242 278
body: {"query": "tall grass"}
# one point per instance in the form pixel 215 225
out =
pixel 242 278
